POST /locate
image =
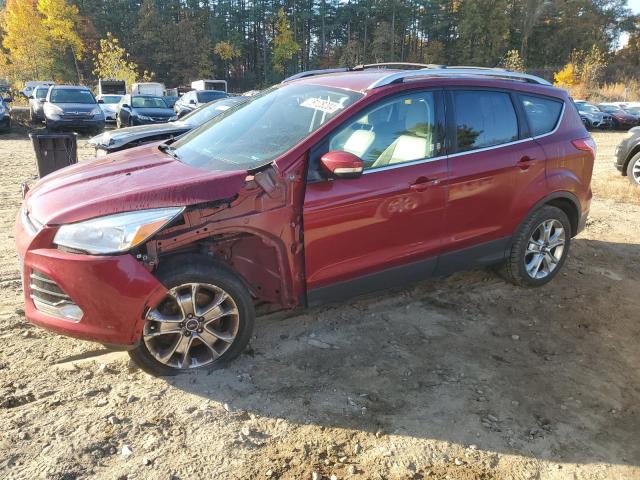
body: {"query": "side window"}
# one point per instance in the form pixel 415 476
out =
pixel 483 119
pixel 393 131
pixel 542 113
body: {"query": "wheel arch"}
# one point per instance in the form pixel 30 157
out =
pixel 634 151
pixel 565 201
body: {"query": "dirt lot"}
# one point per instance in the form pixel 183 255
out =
pixel 459 378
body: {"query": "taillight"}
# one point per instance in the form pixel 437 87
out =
pixel 585 144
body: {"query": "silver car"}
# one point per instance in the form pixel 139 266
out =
pixel 108 104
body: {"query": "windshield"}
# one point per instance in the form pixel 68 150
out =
pixel 41 92
pixel 585 107
pixel 148 102
pixel 204 97
pixel 64 95
pixel 257 132
pixel 610 108
pixel 211 110
pixel 111 99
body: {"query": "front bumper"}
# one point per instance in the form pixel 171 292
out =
pixel 112 291
pixel 80 123
pixel 139 121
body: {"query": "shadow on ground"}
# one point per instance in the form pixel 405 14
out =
pixel 549 373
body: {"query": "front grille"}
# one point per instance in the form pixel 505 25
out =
pixel 49 298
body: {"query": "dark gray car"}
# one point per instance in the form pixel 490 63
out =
pixel 73 108
pixel 123 138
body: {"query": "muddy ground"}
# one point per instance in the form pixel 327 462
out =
pixel 465 377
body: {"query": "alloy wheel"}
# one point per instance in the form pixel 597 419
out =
pixel 635 171
pixel 194 325
pixel 544 249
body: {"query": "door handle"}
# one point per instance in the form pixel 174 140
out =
pixel 422 183
pixel 525 162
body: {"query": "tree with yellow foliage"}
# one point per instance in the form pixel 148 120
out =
pixel 566 78
pixel 61 21
pixel 28 50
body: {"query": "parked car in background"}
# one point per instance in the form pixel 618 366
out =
pixel 592 116
pixel 27 91
pixel 621 119
pixel 109 106
pixel 36 103
pixel 143 110
pixel 634 111
pixel 72 107
pixel 196 98
pixel 123 138
pixel 627 159
pixel 170 100
pixel 320 189
pixel 5 114
pixel 154 89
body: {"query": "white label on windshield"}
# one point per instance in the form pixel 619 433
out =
pixel 326 106
pixel 222 108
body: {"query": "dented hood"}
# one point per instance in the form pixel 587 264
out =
pixel 133 179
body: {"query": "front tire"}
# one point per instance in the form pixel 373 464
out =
pixel 205 320
pixel 539 248
pixel 633 170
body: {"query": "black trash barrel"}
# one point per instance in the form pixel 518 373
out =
pixel 54 151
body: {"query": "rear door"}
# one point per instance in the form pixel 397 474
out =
pixel 496 166
pixel 385 227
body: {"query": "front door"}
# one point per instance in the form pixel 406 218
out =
pixel 385 227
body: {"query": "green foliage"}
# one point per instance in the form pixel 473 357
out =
pixel 112 62
pixel 253 43
pixel 284 45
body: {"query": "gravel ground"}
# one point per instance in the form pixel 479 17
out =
pixel 465 377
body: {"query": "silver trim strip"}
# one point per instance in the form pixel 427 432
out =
pixel 35 276
pixel 452 72
pixel 48 292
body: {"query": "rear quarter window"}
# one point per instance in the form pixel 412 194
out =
pixel 542 114
pixel 484 119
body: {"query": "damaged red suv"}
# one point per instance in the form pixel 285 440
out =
pixel 326 186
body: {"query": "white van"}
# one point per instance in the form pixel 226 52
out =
pixel 148 88
pixel 210 85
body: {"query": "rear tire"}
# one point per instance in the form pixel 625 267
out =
pixel 539 248
pixel 173 326
pixel 633 170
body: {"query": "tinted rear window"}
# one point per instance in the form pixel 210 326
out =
pixel 542 113
pixel 205 97
pixel 484 119
pixel 148 102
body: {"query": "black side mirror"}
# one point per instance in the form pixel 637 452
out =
pixel 124 105
pixel 192 101
pixel 101 101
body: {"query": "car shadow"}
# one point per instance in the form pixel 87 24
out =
pixel 547 373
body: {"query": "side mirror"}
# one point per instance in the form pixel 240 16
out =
pixel 192 101
pixel 101 101
pixel 342 164
pixel 124 105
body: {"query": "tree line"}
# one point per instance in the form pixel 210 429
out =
pixel 253 43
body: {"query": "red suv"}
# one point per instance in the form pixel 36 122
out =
pixel 323 187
